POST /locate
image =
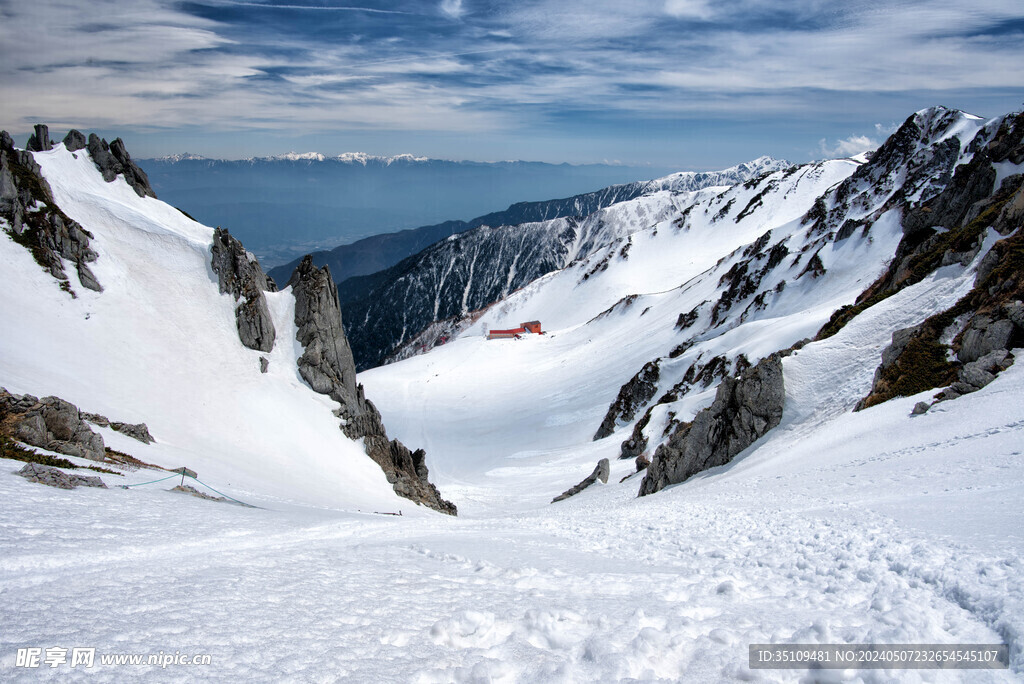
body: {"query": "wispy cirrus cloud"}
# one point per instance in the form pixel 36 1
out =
pixel 580 69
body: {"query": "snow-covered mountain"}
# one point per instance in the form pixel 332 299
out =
pixel 399 310
pixel 379 252
pixel 167 322
pixel 664 297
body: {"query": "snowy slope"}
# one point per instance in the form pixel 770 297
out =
pixel 159 345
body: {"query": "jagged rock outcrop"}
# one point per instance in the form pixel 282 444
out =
pixel 55 477
pixel 49 423
pixel 113 160
pixel 601 473
pixel 327 365
pixel 58 425
pixel 37 223
pixel 239 274
pixel 745 408
pixel 977 374
pixel 39 141
pixel 632 396
pixel 74 140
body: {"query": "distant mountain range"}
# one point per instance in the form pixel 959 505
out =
pixel 378 252
pixel 495 254
pixel 285 206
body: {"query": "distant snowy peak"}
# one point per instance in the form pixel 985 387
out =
pixel 293 156
pixel 360 158
pixel 184 156
pixel 364 158
pixel 688 181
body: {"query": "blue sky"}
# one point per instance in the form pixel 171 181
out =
pixel 687 84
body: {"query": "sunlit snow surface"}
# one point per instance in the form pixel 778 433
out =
pixel 836 527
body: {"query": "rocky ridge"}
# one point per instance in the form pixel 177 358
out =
pixel 938 171
pixel 963 348
pixel 31 217
pixel 113 160
pixel 328 367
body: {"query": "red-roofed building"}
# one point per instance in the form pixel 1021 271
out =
pixel 514 333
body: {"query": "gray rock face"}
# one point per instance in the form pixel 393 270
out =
pixel 113 159
pixel 983 335
pixel 51 423
pixel 601 473
pixel 40 140
pixel 96 419
pixel 971 183
pixel 138 431
pixel 327 365
pixel 26 202
pixel 74 140
pixel 981 372
pixel 744 409
pixel 240 275
pixel 264 364
pixel 631 398
pixel 55 477
pixel 920 408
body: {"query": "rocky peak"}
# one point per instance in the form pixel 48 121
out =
pixel 113 160
pixel 74 141
pixel 240 275
pixel 39 141
pixel 327 363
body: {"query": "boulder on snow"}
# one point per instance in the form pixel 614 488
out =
pixel 920 407
pixel 55 477
pixel 984 334
pixel 137 431
pixel 601 472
